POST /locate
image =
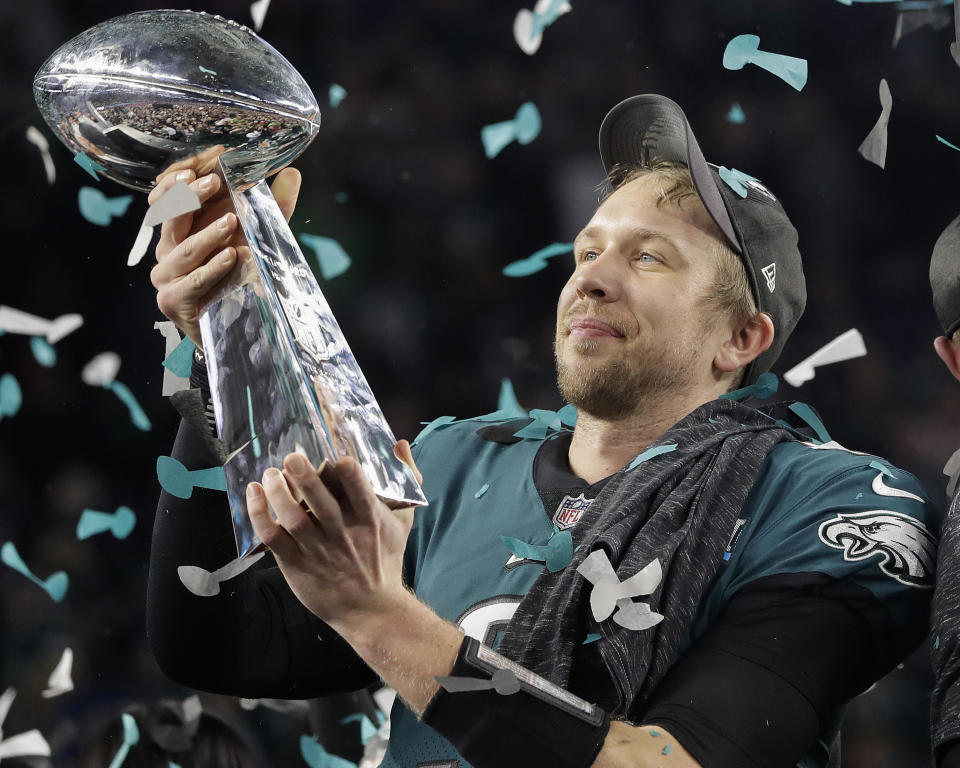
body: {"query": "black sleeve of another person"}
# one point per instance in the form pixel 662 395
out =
pixel 254 639
pixel 758 688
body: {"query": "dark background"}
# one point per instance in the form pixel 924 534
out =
pixel 429 223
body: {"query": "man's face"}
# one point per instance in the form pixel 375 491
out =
pixel 631 322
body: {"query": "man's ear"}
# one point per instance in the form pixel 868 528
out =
pixel 744 343
pixel 949 352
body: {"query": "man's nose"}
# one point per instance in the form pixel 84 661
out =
pixel 599 279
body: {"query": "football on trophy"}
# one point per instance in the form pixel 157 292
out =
pixel 139 92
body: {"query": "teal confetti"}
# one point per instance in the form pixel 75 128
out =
pixel 556 554
pixel 806 413
pixel 483 489
pixel 523 129
pixel 331 257
pixel 11 398
pixel 180 360
pixel 736 114
pixel 367 729
pixel 548 418
pixel 533 431
pixel 591 638
pixel 438 422
pixel 336 95
pixel 665 750
pixel 507 402
pixel 178 481
pixel 253 429
pixel 173 764
pixel 766 385
pixel 88 165
pixel 858 496
pixel 944 141
pixel 568 415
pixel 536 261
pixel 341 197
pixel 650 453
pixel 43 351
pixel 119 523
pixel 206 71
pixel 735 179
pixel 743 50
pixel 99 209
pixel 541 21
pixel 131 735
pixel 317 757
pixel 55 585
pixel 936 644
pixel 137 415
pixel 881 467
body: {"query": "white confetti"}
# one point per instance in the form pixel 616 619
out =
pixel 609 594
pixel 60 680
pixel 203 583
pixel 258 12
pixel 846 346
pixel 171 382
pixel 17 321
pixel 101 370
pixel 40 141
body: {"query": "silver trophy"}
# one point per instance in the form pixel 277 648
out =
pixel 139 92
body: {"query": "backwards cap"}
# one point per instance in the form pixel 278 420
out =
pixel 642 130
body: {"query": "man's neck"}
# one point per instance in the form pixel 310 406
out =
pixel 601 446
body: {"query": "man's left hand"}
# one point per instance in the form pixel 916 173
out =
pixel 343 555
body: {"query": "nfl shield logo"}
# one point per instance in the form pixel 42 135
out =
pixel 570 511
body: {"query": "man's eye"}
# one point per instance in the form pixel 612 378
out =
pixel 647 258
pixel 589 256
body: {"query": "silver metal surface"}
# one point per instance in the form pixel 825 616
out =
pixel 139 92
pixel 142 91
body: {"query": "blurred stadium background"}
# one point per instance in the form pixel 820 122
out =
pixel 398 176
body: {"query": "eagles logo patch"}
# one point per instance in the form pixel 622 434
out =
pixel 907 550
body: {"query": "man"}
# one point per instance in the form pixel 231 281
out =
pixel 945 624
pixel 770 578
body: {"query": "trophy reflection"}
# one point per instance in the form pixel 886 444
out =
pixel 139 92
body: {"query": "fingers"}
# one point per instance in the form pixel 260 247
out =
pixel 290 515
pixel 363 501
pixel 201 163
pixel 286 190
pixel 402 451
pixel 194 251
pixel 268 531
pixel 175 230
pixel 306 480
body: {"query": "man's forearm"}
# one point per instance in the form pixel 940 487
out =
pixel 408 645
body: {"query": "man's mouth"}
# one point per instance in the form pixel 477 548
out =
pixel 589 328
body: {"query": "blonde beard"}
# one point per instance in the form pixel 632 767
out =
pixel 612 389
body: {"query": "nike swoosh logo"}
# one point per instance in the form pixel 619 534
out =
pixel 515 562
pixel 882 489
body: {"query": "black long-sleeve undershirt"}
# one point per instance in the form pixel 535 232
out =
pixel 254 639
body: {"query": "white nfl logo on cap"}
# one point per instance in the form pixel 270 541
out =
pixel 770 272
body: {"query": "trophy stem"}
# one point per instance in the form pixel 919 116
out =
pixel 282 376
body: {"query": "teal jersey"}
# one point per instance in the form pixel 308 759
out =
pixel 813 508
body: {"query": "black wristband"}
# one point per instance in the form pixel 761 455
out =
pixel 541 725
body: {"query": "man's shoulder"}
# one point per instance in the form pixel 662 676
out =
pixel 800 469
pixel 828 509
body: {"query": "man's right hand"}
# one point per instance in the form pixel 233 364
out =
pixel 197 250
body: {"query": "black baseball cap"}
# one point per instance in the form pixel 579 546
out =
pixel 945 277
pixel 643 129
